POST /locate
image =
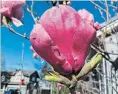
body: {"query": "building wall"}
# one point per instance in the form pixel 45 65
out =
pixel 45 84
pixel 17 78
pixel 110 78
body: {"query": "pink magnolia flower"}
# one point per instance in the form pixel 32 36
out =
pixel 63 39
pixel 12 10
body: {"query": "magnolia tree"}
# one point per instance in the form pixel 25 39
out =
pixel 62 37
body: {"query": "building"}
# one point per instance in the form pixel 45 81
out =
pixel 45 87
pixel 27 82
pixel 14 80
pixel 33 85
pixel 110 70
pixel 106 79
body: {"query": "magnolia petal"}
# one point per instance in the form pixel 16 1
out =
pixel 16 22
pixel 4 20
pixel 87 16
pixel 3 10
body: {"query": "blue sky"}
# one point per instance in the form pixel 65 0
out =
pixel 12 44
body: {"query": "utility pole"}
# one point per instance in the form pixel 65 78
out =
pixel 22 57
pixel 22 62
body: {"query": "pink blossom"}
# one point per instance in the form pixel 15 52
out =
pixel 12 10
pixel 59 85
pixel 97 25
pixel 63 39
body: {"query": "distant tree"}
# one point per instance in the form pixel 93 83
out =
pixel 3 62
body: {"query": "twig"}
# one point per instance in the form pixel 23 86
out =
pixel 108 4
pixel 101 14
pixel 97 6
pixel 31 11
pixel 107 10
pixel 13 31
pixel 112 6
pixel 101 2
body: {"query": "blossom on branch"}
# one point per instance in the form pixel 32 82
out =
pixel 63 39
pixel 12 10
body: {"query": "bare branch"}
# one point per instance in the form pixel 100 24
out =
pixel 97 6
pixel 108 4
pixel 101 13
pixel 101 2
pixel 112 6
pixel 107 10
pixel 13 31
pixel 101 10
pixel 31 11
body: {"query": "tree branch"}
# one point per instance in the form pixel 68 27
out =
pixel 107 10
pixel 97 6
pixel 90 65
pixel 13 31
pixel 31 11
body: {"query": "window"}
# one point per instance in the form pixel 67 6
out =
pixel 33 79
